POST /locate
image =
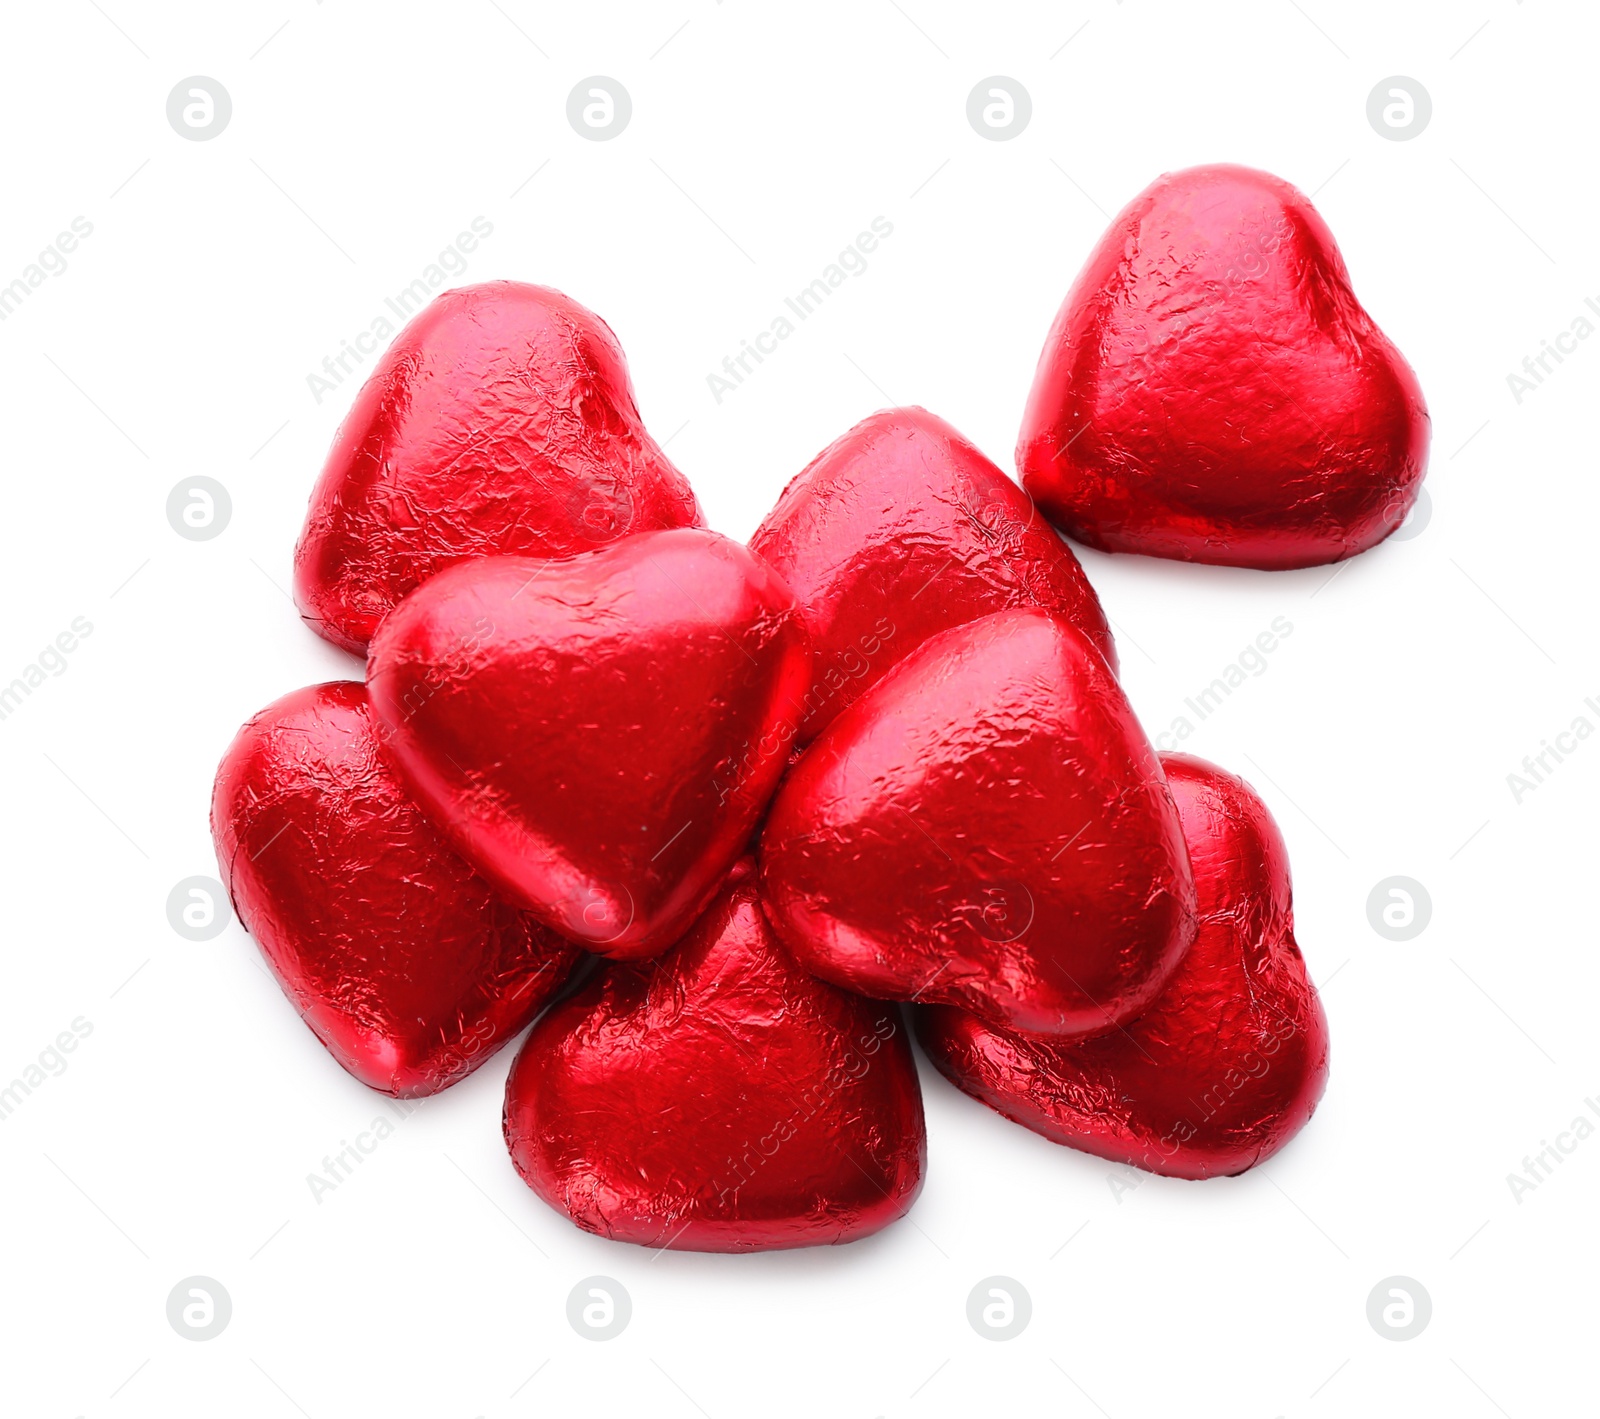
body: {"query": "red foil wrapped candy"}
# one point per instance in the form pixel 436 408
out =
pixel 1225 1067
pixel 986 827
pixel 598 735
pixel 501 420
pixel 1212 390
pixel 901 529
pixel 719 1099
pixel 397 954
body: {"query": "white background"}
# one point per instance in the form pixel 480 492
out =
pixel 177 342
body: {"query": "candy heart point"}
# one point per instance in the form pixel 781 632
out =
pixel 901 529
pixel 500 421
pixel 719 1099
pixel 1212 390
pixel 987 826
pixel 1229 1061
pixel 394 951
pixel 597 735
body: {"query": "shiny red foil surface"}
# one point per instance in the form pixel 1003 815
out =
pixel 598 735
pixel 719 1099
pixel 1225 1067
pixel 398 955
pixel 501 420
pixel 1212 390
pixel 900 529
pixel 987 827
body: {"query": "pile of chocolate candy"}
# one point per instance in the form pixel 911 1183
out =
pixel 743 817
